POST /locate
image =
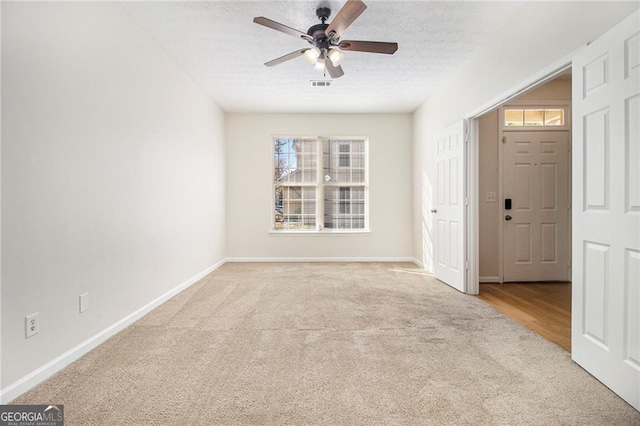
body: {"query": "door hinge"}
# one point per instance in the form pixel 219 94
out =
pixel 466 201
pixel 504 139
pixel 466 264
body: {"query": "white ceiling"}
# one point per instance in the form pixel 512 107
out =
pixel 220 47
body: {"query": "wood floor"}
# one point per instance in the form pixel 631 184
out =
pixel 544 308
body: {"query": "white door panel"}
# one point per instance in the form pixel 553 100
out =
pixel 606 213
pixel 536 228
pixel 449 214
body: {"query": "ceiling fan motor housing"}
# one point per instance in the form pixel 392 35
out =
pixel 319 36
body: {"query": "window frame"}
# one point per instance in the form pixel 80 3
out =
pixel 320 184
pixel 536 105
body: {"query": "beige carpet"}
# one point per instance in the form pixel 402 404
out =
pixel 328 343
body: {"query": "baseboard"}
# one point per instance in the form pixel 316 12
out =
pixel 316 259
pixel 489 279
pixel 417 262
pixel 37 376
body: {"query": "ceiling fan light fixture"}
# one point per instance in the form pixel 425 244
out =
pixel 320 66
pixel 312 55
pixel 336 57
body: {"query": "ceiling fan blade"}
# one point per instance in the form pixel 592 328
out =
pixel 286 57
pixel 369 46
pixel 281 27
pixel 334 72
pixel 345 17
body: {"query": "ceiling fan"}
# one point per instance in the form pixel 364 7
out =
pixel 326 52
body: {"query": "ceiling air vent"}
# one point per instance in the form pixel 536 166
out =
pixel 321 83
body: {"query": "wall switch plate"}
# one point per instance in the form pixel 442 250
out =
pixel 32 325
pixel 491 197
pixel 84 302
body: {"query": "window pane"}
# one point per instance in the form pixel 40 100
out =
pixel 345 193
pixel 309 208
pixel 343 176
pixel 295 160
pixel 295 207
pixel 344 207
pixel 554 117
pixel 344 160
pixel 345 200
pixel 533 117
pixel 513 117
pixel 357 175
pixel 357 160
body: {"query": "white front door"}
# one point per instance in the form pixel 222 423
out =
pixel 606 209
pixel 536 223
pixel 449 214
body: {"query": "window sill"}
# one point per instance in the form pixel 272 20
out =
pixel 321 233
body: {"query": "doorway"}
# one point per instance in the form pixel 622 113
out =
pixel 524 209
pixel 524 188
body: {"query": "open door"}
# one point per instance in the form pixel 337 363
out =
pixel 449 214
pixel 606 209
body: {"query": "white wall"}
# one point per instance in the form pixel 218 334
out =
pixel 538 36
pixel 113 176
pixel 250 183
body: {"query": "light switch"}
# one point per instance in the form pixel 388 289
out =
pixel 491 197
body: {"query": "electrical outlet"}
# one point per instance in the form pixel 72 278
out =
pixel 32 324
pixel 84 302
pixel 491 197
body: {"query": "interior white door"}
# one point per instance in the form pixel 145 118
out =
pixel 606 209
pixel 535 175
pixel 449 214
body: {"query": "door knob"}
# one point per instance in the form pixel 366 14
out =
pixel 507 217
pixel 434 210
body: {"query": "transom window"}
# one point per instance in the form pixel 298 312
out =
pixel 320 183
pixel 521 117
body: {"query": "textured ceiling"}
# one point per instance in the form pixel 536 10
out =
pixel 220 47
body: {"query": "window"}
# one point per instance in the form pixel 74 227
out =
pixel 320 183
pixel 520 117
